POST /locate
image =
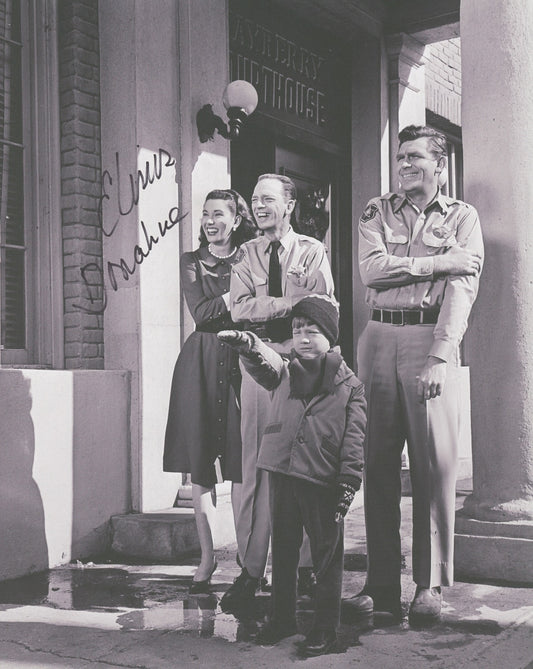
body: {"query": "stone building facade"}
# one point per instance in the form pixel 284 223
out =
pixel 113 179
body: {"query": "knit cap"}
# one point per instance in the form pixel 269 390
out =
pixel 322 311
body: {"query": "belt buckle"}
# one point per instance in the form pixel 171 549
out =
pixel 394 320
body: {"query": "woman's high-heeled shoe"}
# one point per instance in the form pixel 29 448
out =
pixel 202 587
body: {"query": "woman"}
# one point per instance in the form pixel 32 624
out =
pixel 203 428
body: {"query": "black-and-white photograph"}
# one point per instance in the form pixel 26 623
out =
pixel 266 334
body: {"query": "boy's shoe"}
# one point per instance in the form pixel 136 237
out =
pixel 425 607
pixel 318 642
pixel 382 602
pixel 275 631
pixel 241 593
pixel 306 581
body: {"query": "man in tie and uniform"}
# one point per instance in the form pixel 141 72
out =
pixel 275 271
pixel 420 256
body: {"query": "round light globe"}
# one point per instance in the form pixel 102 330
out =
pixel 240 94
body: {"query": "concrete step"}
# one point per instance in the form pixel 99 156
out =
pixel 168 535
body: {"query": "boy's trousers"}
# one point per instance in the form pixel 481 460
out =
pixel 296 504
pixel 253 521
pixel 390 358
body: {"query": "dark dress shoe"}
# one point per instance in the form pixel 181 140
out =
pixel 275 631
pixel 318 642
pixel 383 603
pixel 425 607
pixel 202 587
pixel 241 593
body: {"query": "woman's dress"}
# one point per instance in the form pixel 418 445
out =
pixel 203 417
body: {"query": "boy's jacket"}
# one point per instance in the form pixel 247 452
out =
pixel 320 440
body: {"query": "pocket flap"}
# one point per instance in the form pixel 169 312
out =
pixel 259 280
pixel 329 445
pixel 273 428
pixel 395 236
pixel 438 236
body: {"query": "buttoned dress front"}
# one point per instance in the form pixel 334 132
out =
pixel 203 417
pixel 397 243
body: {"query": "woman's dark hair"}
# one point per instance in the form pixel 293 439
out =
pixel 247 228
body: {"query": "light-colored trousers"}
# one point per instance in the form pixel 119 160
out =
pixel 389 360
pixel 253 522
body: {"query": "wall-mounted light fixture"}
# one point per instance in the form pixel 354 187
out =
pixel 240 100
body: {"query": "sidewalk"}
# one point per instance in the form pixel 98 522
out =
pixel 141 616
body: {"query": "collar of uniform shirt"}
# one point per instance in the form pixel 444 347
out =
pixel 285 240
pixel 442 200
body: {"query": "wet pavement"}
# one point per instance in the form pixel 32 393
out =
pixel 104 614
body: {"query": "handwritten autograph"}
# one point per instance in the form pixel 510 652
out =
pixel 93 276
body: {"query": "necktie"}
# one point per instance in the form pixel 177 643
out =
pixel 274 271
pixel 277 329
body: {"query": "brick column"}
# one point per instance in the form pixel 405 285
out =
pixel 494 530
pixel 79 88
pixel 443 80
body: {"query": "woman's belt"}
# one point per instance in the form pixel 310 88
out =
pixel 218 324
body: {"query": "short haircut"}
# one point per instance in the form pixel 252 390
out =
pixel 289 189
pixel 302 321
pixel 436 140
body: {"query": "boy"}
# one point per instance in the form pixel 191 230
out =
pixel 313 449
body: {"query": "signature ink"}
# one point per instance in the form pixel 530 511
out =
pixel 126 268
pixel 121 203
pixel 99 285
pixel 137 183
pixel 142 179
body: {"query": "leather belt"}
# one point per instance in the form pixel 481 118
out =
pixel 217 324
pixel 405 317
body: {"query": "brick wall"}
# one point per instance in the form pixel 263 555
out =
pixel 443 80
pixel 79 88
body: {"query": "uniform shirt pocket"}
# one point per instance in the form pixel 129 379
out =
pixel 396 234
pixel 260 284
pixel 438 237
pixel 295 281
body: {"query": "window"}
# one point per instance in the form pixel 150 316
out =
pixel 30 220
pixel 454 185
pixel 12 234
